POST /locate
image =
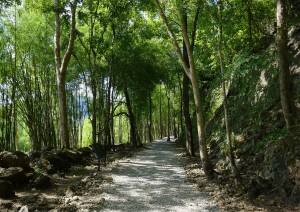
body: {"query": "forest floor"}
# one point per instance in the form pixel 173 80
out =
pixel 230 195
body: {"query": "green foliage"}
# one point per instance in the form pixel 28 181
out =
pixel 125 43
pixel 273 136
pixel 24 140
pixel 86 133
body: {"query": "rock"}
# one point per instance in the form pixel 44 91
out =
pixel 14 159
pixel 34 154
pixel 15 175
pixel 41 181
pixel 75 198
pixel 30 199
pixel 295 170
pixel 67 200
pixel 70 192
pixel 220 165
pixel 42 164
pixel 85 180
pixel 70 155
pixel 102 201
pixel 6 189
pixel 276 169
pixel 85 151
pixel 58 163
pixel 258 186
pixel 24 209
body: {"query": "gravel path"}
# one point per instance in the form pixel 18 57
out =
pixel 153 180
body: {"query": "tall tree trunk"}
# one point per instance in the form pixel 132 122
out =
pixel 134 137
pixel 61 69
pixel 286 91
pixel 228 131
pixel 191 72
pixel 14 110
pixel 94 110
pixel 174 124
pixel 120 129
pixel 112 119
pixel 150 118
pixel 189 142
pixel 107 115
pixel 160 114
pixel 169 118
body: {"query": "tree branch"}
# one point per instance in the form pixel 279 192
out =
pixel 171 34
pixel 69 51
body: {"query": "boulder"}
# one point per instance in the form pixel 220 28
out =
pixel 58 163
pixel 14 159
pixel 43 165
pixel 69 155
pixel 276 169
pixel 85 151
pixel 34 154
pixel 295 170
pixel 15 175
pixel 258 186
pixel 41 181
pixel 6 189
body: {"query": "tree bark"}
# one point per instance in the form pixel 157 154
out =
pixel 134 137
pixel 189 142
pixel 169 121
pixel 150 118
pixel 61 69
pixel 286 91
pixel 160 114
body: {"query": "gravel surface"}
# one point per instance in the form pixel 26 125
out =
pixel 153 180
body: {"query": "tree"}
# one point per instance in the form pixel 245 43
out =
pixel 61 68
pixel 190 71
pixel 227 126
pixel 286 91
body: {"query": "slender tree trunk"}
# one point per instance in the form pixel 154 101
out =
pixel 191 72
pixel 169 119
pixel 150 118
pixel 228 131
pixel 180 123
pixel 94 110
pixel 174 124
pixel 112 119
pixel 120 129
pixel 101 109
pixel 134 137
pixel 189 142
pixel 61 69
pixel 14 110
pixel 160 114
pixel 286 91
pixel 107 115
pixel 63 112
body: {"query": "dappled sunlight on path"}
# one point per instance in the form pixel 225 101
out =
pixel 154 180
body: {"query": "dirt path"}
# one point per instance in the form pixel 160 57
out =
pixel 153 180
